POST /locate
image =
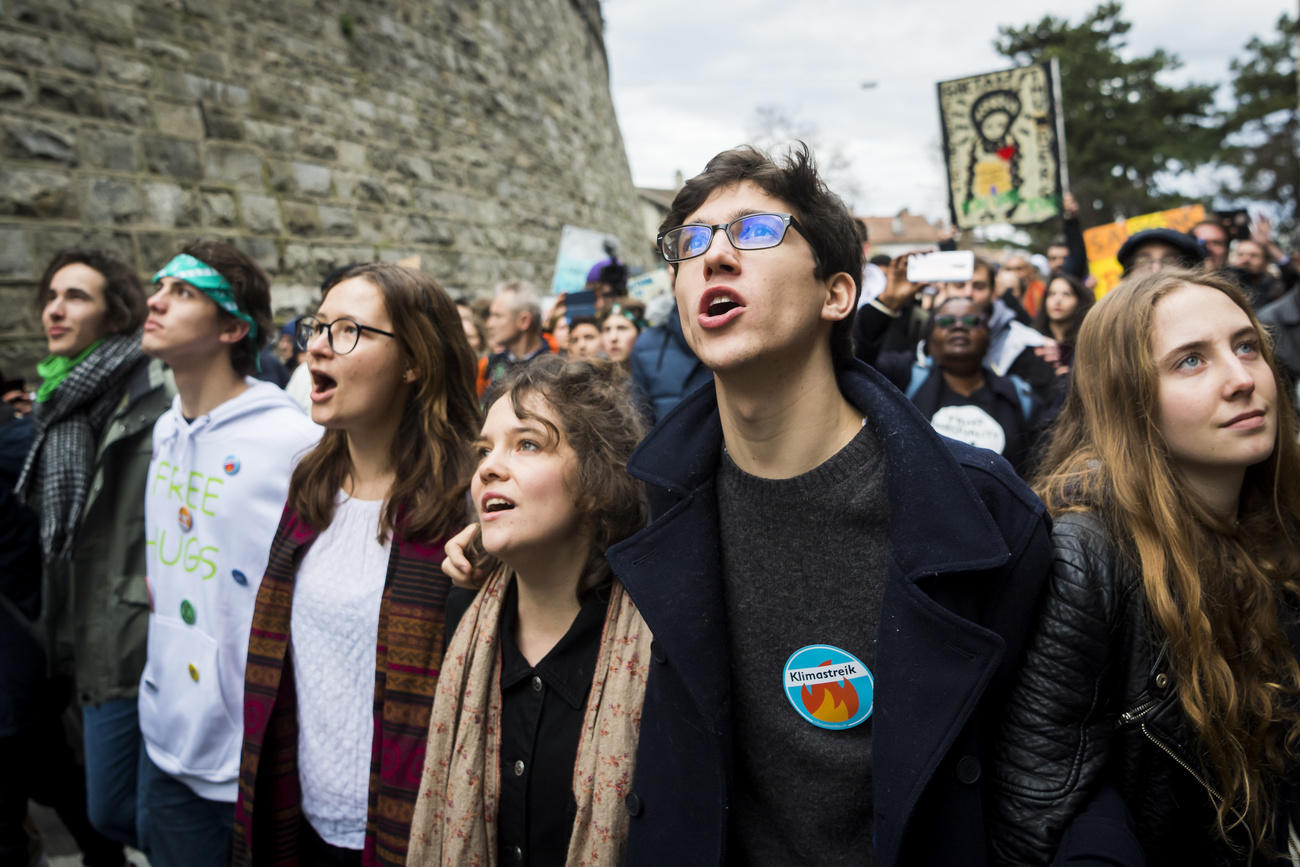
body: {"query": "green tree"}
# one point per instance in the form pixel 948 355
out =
pixel 1262 130
pixel 1126 132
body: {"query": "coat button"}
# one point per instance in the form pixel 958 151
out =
pixel 537 683
pixel 517 854
pixel 657 652
pixel 519 768
pixel 1162 680
pixel 633 804
pixel 968 770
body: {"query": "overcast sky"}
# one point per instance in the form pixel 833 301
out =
pixel 687 75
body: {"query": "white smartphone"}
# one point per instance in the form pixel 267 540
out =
pixel 945 266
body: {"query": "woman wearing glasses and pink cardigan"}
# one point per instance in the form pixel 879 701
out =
pixel 347 637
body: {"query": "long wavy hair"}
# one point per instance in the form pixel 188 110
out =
pixel 1215 589
pixel 1084 300
pixel 431 450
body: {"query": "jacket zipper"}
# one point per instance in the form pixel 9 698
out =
pixel 1141 710
pixel 1169 752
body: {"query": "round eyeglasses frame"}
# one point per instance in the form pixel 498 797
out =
pixel 309 326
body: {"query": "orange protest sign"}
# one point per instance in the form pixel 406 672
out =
pixel 1103 242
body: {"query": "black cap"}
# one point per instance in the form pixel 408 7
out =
pixel 1187 246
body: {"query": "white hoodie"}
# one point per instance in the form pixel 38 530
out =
pixel 216 488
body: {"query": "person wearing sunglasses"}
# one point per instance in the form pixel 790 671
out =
pixel 222 455
pixel 956 390
pixel 347 637
pixel 838 594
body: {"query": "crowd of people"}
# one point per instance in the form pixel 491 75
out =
pixel 414 579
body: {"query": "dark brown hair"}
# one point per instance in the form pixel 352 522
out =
pixel 827 225
pixel 123 292
pixel 1082 294
pixel 431 449
pixel 590 409
pixel 252 290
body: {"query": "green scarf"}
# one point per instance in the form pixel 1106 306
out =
pixel 55 369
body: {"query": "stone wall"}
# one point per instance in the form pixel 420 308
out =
pixel 310 134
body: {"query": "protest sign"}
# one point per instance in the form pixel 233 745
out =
pixel 1103 242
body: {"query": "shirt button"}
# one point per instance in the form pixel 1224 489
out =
pixel 519 769
pixel 537 683
pixel 968 770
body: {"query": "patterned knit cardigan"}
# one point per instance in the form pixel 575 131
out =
pixel 408 656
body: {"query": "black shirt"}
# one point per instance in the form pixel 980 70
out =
pixel 542 709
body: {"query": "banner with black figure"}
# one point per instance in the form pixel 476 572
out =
pixel 1004 145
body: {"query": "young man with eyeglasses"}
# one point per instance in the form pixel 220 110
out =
pixel 838 595
pixel 222 456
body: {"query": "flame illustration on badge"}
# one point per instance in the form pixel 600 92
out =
pixel 833 702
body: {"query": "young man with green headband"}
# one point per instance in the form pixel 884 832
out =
pixel 222 456
pixel 84 477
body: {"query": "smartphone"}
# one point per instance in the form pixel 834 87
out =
pixel 12 385
pixel 945 266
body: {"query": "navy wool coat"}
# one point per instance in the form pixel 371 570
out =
pixel 971 550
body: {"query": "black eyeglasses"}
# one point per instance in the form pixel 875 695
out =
pixel 750 232
pixel 342 341
pixel 970 320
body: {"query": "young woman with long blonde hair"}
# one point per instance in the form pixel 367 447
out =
pixel 1161 682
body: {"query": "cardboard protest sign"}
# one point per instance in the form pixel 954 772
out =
pixel 579 250
pixel 1103 242
pixel 1004 145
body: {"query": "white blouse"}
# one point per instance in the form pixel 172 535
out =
pixel 333 629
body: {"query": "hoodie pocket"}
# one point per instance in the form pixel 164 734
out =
pixel 181 708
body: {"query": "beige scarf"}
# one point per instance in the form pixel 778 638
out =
pixel 455 821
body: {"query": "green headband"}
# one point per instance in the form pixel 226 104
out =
pixel 629 315
pixel 209 281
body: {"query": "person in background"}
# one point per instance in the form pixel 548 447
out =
pixel 663 368
pixel 1019 264
pixel 1009 288
pixel 1162 680
pixel 1251 261
pixel 85 477
pixel 557 326
pixel 620 328
pixel 347 637
pixel 1153 249
pixel 515 324
pixel 217 480
pixel 584 339
pixel 540 699
pixel 1213 237
pixel 1065 304
pixel 475 329
pixel 1067 253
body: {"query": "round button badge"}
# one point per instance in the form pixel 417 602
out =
pixel 829 687
pixel 230 465
pixel 187 611
pixel 185 518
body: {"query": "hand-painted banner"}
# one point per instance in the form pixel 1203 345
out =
pixel 1103 242
pixel 1004 145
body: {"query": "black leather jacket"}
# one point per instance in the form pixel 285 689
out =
pixel 1095 702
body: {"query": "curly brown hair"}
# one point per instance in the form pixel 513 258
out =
pixel 123 292
pixel 590 408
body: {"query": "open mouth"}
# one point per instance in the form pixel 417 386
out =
pixel 321 385
pixel 719 306
pixel 494 504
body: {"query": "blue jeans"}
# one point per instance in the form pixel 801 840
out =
pixel 114 750
pixel 185 830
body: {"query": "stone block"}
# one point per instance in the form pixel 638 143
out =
pixel 123 70
pixel 168 54
pixel 261 214
pixel 301 218
pixel 69 95
pixel 112 200
pixel 158 248
pixel 169 206
pixel 108 149
pixel 351 153
pixel 314 144
pixel 221 123
pixel 272 136
pixel 337 222
pixel 15 257
pixel 126 107
pixel 372 190
pixel 76 57
pixel 37 13
pixel 177 119
pixel 33 140
pixel 104 29
pixel 265 251
pixel 414 168
pixel 169 156
pixel 274 105
pixel 23 50
pixel 49 240
pixel 310 178
pixel 218 210
pixel 234 164
pixel 14 88
pixel 363 107
pixel 35 193
pixel 201 87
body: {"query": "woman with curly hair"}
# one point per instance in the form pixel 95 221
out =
pixel 1161 687
pixel 533 737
